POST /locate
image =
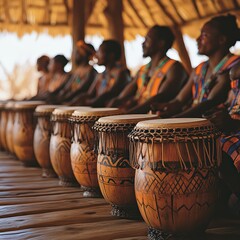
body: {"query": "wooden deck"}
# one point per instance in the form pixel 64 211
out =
pixel 32 207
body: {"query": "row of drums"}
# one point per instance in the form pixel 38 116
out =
pixel 166 169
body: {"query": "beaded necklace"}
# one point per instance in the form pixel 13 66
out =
pixel 207 82
pixel 144 74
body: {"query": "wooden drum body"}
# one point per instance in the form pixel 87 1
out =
pixel 115 175
pixel 1 109
pixel 9 126
pixel 3 125
pixel 41 139
pixel 176 174
pixel 83 154
pixel 60 143
pixel 23 129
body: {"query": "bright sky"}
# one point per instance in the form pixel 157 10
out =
pixel 25 50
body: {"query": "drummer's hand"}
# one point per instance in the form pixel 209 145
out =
pixel 222 120
pixel 115 102
pixel 165 110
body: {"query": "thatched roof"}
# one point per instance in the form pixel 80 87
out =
pixel 54 16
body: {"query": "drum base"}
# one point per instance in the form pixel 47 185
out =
pixel 48 173
pixel 91 192
pixel 67 182
pixel 156 234
pixel 128 213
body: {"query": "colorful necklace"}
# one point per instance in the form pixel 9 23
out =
pixel 144 75
pixel 207 82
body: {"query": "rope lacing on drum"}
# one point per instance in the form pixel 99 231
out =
pixel 193 136
pixel 111 133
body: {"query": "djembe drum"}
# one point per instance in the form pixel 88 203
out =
pixel 23 129
pixel 176 174
pixel 1 108
pixel 60 143
pixel 3 124
pixel 115 175
pixel 83 152
pixel 9 126
pixel 41 139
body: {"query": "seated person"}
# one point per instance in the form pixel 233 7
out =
pixel 58 78
pixel 44 79
pixel 109 83
pixel 209 82
pixel 229 124
pixel 159 80
pixel 83 75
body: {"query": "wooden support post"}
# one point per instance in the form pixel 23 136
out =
pixel 113 13
pixel 78 24
pixel 181 48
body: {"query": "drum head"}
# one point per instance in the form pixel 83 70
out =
pixel 68 110
pixel 10 105
pixel 27 104
pixel 2 104
pixel 96 112
pixel 126 119
pixel 46 108
pixel 173 123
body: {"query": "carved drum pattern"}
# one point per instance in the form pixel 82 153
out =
pixel 3 124
pixel 60 143
pixel 23 129
pixel 83 152
pixel 10 123
pixel 176 181
pixel 41 139
pixel 115 175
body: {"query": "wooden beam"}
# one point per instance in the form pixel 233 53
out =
pixel 167 13
pixel 221 4
pixel 177 12
pixel 47 11
pixel 89 9
pixel 67 10
pixel 23 12
pixel 179 45
pixel 113 13
pixel 136 14
pixel 6 10
pixel 196 8
pixel 128 19
pixel 78 24
pixel 144 6
pixel 37 6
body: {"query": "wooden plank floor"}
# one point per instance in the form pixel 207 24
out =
pixel 32 207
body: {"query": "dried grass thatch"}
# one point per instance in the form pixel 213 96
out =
pixel 24 16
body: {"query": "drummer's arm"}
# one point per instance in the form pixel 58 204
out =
pixel 85 97
pixel 53 96
pixel 217 95
pixel 83 87
pixel 125 95
pixel 109 94
pixel 169 88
